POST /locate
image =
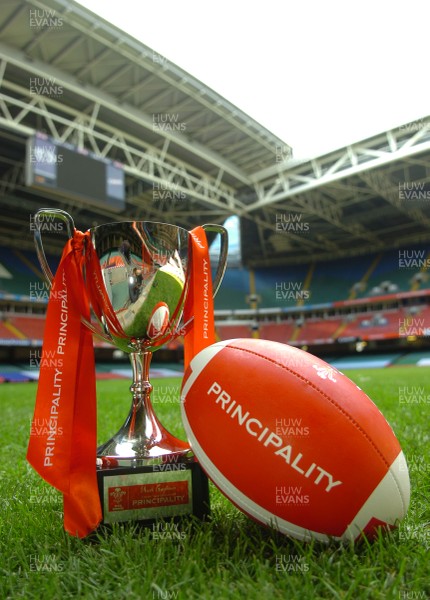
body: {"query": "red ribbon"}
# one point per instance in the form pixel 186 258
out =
pixel 62 446
pixel 199 301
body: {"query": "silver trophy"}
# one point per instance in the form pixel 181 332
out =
pixel 145 269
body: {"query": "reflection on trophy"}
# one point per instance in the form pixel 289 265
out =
pixel 144 472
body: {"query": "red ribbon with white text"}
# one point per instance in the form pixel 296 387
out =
pixel 63 444
pixel 199 300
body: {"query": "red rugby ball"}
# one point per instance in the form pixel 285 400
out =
pixel 293 442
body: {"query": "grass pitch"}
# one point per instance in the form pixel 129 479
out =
pixel 227 558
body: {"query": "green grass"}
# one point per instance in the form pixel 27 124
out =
pixel 228 557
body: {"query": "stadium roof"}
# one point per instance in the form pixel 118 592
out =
pixel 68 73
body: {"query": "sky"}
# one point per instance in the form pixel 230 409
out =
pixel 319 75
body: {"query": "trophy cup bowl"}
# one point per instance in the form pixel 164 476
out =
pixel 145 269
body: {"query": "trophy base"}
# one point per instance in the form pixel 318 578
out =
pixel 148 493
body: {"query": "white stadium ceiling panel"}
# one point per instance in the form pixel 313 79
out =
pixel 97 55
pixel 121 100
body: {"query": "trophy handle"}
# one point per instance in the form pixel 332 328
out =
pixel 38 220
pixel 222 263
pixel 57 213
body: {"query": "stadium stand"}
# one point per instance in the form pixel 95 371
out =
pixel 227 331
pixel 21 269
pixel 370 298
pixel 279 308
pixel 364 276
pixel 317 331
pixel 28 327
pixel 278 332
pixel 5 332
pixel 233 291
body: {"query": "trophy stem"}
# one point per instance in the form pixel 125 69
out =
pixel 142 440
pixel 141 389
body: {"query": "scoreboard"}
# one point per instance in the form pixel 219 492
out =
pixel 69 172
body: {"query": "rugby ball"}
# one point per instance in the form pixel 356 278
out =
pixel 159 321
pixel 293 442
